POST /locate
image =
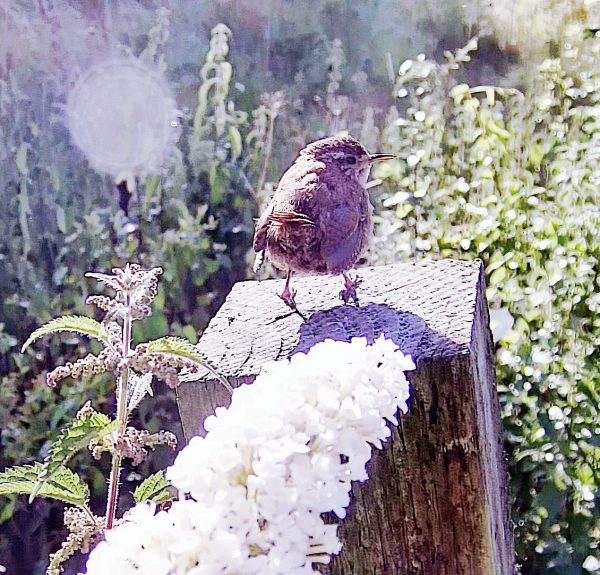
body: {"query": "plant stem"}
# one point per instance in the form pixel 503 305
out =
pixel 115 471
pixel 267 154
pixel 88 512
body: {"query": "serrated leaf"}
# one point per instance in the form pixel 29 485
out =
pixel 183 348
pixel 76 323
pixel 154 488
pixel 176 346
pixel 71 440
pixel 137 388
pixel 64 485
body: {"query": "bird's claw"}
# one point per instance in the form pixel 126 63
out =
pixel 349 291
pixel 288 296
pixel 348 294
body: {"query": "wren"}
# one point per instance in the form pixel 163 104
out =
pixel 320 220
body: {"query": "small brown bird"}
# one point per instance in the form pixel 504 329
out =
pixel 320 217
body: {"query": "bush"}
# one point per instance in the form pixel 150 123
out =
pixel 512 178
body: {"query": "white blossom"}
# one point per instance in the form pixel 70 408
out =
pixel 591 564
pixel 501 322
pixel 284 452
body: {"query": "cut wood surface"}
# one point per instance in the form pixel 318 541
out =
pixel 436 501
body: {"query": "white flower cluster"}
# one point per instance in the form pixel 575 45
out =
pixel 282 454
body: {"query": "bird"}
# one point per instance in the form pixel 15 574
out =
pixel 319 219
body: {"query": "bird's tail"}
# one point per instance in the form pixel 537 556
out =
pixel 258 261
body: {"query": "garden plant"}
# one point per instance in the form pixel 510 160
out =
pixel 502 167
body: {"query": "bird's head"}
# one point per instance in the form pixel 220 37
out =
pixel 346 154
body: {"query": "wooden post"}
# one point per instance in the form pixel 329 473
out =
pixel 436 502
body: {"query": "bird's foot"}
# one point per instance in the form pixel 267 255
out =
pixel 289 297
pixel 349 291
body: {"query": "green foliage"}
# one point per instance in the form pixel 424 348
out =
pixel 78 324
pixel 154 488
pixel 490 172
pixel 512 178
pixel 61 219
pixel 64 485
pixel 135 290
pixel 216 77
pixel 77 436
pixel 176 346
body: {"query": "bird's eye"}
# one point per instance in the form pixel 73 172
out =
pixel 350 160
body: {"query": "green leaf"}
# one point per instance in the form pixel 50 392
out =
pixel 226 73
pixel 61 220
pixel 236 142
pixel 154 488
pixel 183 348
pixel 8 510
pixel 189 332
pixel 21 159
pixel 217 180
pixel 498 130
pixel 536 155
pixel 76 323
pixel 206 86
pixel 176 346
pixel 64 484
pixel 498 276
pixel 459 92
pixel 560 477
pixel 403 210
pixel 71 440
pixel 588 388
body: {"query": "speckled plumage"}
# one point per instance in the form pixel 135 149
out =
pixel 320 217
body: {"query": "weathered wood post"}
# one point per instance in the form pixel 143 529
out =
pixel 436 502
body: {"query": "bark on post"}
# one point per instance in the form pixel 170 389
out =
pixel 436 501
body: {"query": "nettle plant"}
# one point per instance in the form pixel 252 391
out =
pixel 133 369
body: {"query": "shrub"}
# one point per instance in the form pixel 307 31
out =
pixel 512 178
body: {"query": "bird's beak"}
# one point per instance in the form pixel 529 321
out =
pixel 381 157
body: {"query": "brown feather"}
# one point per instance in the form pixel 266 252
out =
pixel 319 219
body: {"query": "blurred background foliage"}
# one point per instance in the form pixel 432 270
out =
pixel 499 146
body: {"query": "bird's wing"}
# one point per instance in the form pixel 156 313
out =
pixel 294 192
pixel 341 217
pixel 281 218
pixel 272 221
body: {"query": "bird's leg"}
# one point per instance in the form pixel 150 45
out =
pixel 288 294
pixel 349 291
